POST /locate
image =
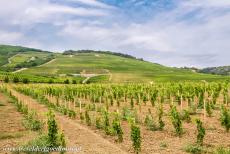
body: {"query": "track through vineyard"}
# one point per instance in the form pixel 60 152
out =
pixel 77 135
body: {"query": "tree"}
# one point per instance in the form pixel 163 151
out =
pixel 25 80
pixel 74 82
pixel 66 81
pixel 15 79
pixel 6 79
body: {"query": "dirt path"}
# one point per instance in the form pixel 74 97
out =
pixel 47 63
pixel 12 132
pixel 76 134
pixel 22 69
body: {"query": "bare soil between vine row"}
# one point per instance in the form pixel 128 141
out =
pixel 95 141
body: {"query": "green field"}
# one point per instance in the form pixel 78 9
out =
pixel 121 69
pixel 98 66
pixel 24 57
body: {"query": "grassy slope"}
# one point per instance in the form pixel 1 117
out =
pixel 7 51
pixel 122 69
pixel 25 56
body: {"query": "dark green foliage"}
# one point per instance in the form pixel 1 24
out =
pixel 52 130
pixel 116 124
pixel 15 79
pixel 160 116
pixel 66 81
pixel 225 118
pixel 208 109
pixel 176 121
pixel 51 81
pixel 98 123
pixel 74 82
pixel 149 123
pixel 222 70
pixel 72 52
pixel 136 137
pixel 31 122
pixel 87 118
pixel 41 142
pixel 6 79
pixel 185 116
pixel 194 149
pixel 62 142
pixel 106 122
pixel 132 103
pixel 201 132
pixel 25 80
pixel 82 116
pixel 32 63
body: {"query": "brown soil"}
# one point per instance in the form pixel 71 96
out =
pixel 92 140
pixel 12 132
pixel 77 135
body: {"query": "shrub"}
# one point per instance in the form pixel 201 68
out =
pixel 149 123
pixel 74 82
pixel 25 80
pixel 98 122
pixel 6 79
pixel 194 149
pixel 87 118
pixel 15 79
pixel 201 132
pixel 208 109
pixel 222 150
pixel 52 130
pixel 106 122
pixel 160 115
pixel 117 127
pixel 31 122
pixel 185 116
pixel 66 81
pixel 136 137
pixel 176 121
pixel 51 81
pixel 225 118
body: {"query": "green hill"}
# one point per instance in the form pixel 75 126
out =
pixel 98 66
pixel 221 70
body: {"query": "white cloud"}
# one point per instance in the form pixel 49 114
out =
pixel 34 11
pixel 94 3
pixel 201 39
pixel 195 33
pixel 9 37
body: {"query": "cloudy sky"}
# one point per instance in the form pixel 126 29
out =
pixel 170 32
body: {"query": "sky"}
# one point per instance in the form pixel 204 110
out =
pixel 170 32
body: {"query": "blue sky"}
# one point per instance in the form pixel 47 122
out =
pixel 170 32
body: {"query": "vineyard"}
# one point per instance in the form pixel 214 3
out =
pixel 181 117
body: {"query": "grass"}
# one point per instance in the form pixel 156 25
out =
pixel 37 78
pixel 222 150
pixel 12 135
pixel 122 69
pixel 23 57
pixel 194 149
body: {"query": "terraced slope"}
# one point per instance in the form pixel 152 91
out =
pixel 94 66
pixel 117 68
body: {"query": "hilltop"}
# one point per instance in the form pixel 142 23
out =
pixel 221 70
pixel 94 65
